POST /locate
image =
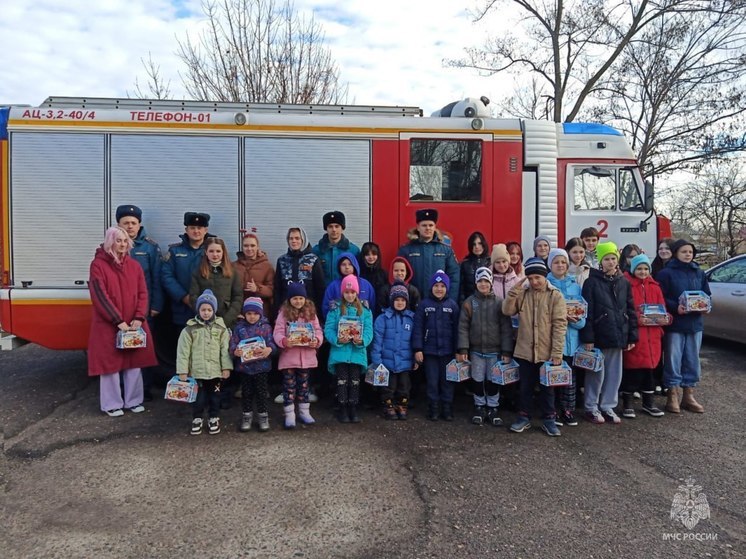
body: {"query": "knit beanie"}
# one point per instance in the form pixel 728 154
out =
pixel 253 304
pixel 554 253
pixel 637 260
pixel 207 298
pixel 440 277
pixel 398 290
pixel 681 243
pixel 499 252
pixel 350 283
pixel 604 249
pixel 483 273
pixel 535 266
pixel 541 238
pixel 296 289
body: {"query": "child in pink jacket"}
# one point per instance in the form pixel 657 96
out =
pixel 297 352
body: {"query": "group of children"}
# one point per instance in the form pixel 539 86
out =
pixel 513 312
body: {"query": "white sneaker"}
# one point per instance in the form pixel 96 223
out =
pixel 279 399
pixel 114 413
pixel 137 409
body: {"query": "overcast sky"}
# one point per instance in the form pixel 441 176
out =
pixel 389 51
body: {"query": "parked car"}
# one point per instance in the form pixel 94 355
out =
pixel 728 285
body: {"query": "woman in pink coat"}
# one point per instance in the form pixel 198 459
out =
pixel 120 303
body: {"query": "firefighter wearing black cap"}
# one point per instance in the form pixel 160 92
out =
pixel 332 244
pixel 427 253
pixel 180 262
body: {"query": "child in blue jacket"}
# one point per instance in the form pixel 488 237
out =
pixel 348 356
pixel 254 373
pixel 392 346
pixel 559 277
pixel 434 343
pixel 683 340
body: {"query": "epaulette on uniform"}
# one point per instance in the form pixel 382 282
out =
pixel 150 240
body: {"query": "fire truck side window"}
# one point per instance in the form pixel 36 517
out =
pixel 445 170
pixel 629 195
pixel 594 189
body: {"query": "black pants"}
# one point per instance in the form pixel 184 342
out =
pixel 637 380
pixel 254 386
pixel 399 386
pixel 208 395
pixel 529 373
pixel 348 383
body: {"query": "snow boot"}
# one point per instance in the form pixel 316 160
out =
pixel 401 409
pixel 246 420
pixel 648 405
pixel 352 411
pixel 388 410
pixel 289 416
pixel 304 414
pixel 263 422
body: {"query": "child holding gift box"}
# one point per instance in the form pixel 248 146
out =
pixel 559 277
pixel 541 337
pixel 348 356
pixel 611 325
pixel 640 362
pixel 202 353
pixel 485 334
pixel 392 347
pixel 254 373
pixel 681 367
pixel 298 353
pixel 434 343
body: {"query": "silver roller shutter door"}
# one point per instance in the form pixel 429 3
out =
pixel 57 200
pixel 169 175
pixel 295 181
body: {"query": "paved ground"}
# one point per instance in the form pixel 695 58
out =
pixel 78 484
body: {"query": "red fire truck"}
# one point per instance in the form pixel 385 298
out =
pixel 66 165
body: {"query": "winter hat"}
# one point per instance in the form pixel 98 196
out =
pixel 296 289
pixel 604 249
pixel 427 214
pixel 542 238
pixel 535 266
pixel 499 252
pixel 483 273
pixel 253 304
pixel 207 298
pixel 554 253
pixel 350 283
pixel 440 277
pixel 334 217
pixel 637 260
pixel 398 290
pixel 681 243
pixel 196 219
pixel 129 210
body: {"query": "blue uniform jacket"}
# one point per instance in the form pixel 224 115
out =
pixel 428 258
pixel 674 279
pixel 570 290
pixel 176 276
pixel 392 342
pixel 436 327
pixel 333 294
pixel 148 254
pixel 328 255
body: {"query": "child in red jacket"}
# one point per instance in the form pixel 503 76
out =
pixel 641 361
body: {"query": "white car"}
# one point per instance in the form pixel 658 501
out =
pixel 728 286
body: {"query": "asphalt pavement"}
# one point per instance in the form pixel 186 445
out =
pixel 76 483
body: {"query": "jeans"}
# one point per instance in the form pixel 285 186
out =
pixel 681 359
pixel 485 392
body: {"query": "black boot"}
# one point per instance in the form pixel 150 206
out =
pixel 342 415
pixel 446 413
pixel 477 418
pixel 628 409
pixel 648 405
pixel 432 411
pixel 352 410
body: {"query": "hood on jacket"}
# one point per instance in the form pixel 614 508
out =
pixel 305 245
pixel 634 280
pixel 351 257
pixel 555 281
pixel 410 272
pixel 101 254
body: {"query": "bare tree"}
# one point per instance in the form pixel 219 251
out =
pixel 713 207
pixel 677 90
pixel 259 51
pixel 156 86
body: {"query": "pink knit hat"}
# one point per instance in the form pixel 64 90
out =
pixel 350 283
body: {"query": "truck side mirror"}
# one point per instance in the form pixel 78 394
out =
pixel 649 198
